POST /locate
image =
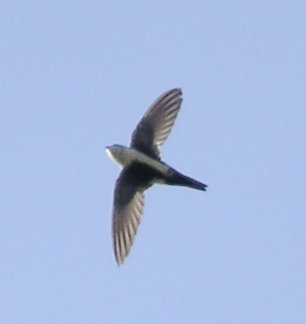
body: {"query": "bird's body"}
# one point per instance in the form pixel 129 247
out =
pixel 142 167
pixel 149 169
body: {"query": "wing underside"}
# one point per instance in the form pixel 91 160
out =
pixel 127 212
pixel 156 124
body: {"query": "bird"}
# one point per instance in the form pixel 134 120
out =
pixel 142 167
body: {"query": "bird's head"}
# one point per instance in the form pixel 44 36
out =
pixel 116 153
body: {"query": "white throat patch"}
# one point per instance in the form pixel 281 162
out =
pixel 110 155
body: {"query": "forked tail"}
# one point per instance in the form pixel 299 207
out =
pixel 179 179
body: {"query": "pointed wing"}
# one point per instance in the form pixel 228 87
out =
pixel 156 124
pixel 127 211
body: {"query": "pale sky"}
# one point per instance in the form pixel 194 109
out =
pixel 77 76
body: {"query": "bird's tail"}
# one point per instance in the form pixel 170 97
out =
pixel 179 179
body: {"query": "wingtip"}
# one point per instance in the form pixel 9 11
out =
pixel 177 90
pixel 118 263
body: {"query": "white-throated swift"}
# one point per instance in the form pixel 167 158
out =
pixel 142 167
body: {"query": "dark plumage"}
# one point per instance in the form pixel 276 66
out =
pixel 142 167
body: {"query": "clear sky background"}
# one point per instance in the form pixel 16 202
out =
pixel 77 76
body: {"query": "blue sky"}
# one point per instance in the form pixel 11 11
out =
pixel 77 76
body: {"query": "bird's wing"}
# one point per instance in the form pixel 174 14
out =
pixel 127 211
pixel 156 124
